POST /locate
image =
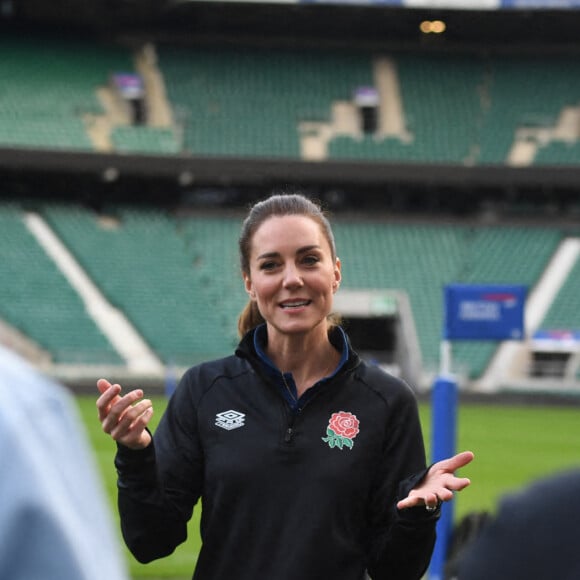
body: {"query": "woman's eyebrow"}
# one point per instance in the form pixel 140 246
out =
pixel 268 255
pixel 307 248
pixel 298 251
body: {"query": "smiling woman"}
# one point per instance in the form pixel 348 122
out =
pixel 293 274
pixel 310 462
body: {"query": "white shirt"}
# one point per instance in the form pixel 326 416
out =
pixel 55 522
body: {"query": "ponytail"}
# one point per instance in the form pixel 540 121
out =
pixel 250 317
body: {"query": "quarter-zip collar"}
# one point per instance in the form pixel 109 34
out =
pixel 285 381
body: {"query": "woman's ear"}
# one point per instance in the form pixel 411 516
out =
pixel 248 286
pixel 337 275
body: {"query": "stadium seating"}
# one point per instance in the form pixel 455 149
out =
pixel 524 92
pixel 250 102
pixel 564 313
pixel 142 139
pixel 558 153
pixel 50 96
pixel 442 104
pixel 38 301
pixel 151 267
pixel 421 259
pixel 246 101
pixel 176 278
pixel 48 85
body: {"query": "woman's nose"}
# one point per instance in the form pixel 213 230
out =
pixel 292 278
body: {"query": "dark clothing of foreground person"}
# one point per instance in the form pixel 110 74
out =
pixel 534 535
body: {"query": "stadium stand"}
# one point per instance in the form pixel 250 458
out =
pixel 459 109
pixel 564 313
pixel 249 101
pixel 562 320
pixel 525 92
pixel 558 153
pixel 176 277
pixel 421 258
pixel 49 86
pixel 162 286
pixel 128 139
pixel 38 301
pixel 244 101
pixel 56 95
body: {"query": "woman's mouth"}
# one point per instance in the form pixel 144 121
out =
pixel 294 304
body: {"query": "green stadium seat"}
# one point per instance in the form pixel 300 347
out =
pixel 48 84
pixel 37 300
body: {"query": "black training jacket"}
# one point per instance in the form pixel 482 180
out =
pixel 305 495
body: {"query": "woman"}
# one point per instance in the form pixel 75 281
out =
pixel 309 463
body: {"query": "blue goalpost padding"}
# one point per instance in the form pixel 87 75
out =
pixel 443 427
pixel 472 312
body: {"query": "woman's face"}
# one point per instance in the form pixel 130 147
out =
pixel 292 276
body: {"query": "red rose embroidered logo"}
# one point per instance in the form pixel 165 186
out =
pixel 342 429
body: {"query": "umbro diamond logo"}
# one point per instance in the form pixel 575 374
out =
pixel 230 420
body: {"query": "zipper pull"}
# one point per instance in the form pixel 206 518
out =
pixel 288 436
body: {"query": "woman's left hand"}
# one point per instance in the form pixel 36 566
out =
pixel 439 483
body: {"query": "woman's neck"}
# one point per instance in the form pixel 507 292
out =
pixel 308 359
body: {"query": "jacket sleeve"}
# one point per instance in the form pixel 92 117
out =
pixel 159 486
pixel 401 541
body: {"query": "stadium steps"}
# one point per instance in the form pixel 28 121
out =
pixel 391 118
pixel 564 311
pixel 553 299
pixel 26 346
pixel 176 278
pixel 110 320
pixel 159 112
pixel 147 267
pixel 37 300
pixel 526 92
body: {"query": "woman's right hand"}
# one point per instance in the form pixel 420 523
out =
pixel 124 418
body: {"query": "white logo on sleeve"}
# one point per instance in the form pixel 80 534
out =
pixel 230 420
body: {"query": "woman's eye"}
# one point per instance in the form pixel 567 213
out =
pixel 311 260
pixel 267 265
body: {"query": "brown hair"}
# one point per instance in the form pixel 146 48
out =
pixel 274 206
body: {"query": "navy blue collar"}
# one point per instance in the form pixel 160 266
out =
pixel 285 381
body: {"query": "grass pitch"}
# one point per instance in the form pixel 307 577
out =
pixel 513 445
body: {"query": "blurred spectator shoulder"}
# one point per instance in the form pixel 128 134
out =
pixel 55 522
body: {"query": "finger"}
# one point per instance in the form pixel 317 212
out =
pixel 108 398
pixel 118 408
pixel 133 413
pixel 131 430
pixel 456 462
pixel 103 385
pixel 417 500
pixel 407 503
pixel 459 483
pixel 135 419
pixel 431 500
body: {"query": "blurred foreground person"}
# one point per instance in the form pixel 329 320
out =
pixel 54 521
pixel 309 463
pixel 534 535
